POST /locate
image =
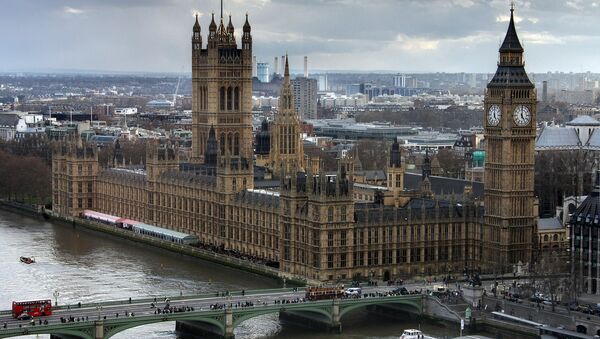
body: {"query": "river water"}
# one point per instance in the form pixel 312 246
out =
pixel 84 266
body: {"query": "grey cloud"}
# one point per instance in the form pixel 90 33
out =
pixel 153 35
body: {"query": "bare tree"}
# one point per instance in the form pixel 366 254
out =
pixel 552 274
pixel 373 154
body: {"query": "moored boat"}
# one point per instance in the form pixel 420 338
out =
pixel 27 260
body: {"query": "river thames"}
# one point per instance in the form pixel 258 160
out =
pixel 84 266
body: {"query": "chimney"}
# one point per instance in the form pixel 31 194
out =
pixel 254 70
pixel 276 66
pixel 282 64
pixel 305 66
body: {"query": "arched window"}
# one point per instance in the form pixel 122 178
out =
pixel 330 214
pixel 222 98
pixel 236 144
pixel 555 237
pixel 222 143
pixel 229 98
pixel 237 98
pixel 546 237
pixel 230 142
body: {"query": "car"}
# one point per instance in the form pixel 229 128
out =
pixel 401 291
pixel 24 316
pixel 584 309
pixel 353 291
pixel 548 302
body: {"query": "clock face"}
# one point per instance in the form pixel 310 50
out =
pixel 494 115
pixel 522 115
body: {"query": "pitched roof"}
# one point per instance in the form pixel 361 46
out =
pixel 547 224
pixel 589 210
pixel 594 140
pixel 558 138
pixel 9 120
pixel 511 40
pixel 583 120
pixel 443 185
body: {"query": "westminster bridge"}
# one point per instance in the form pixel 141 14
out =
pixel 215 315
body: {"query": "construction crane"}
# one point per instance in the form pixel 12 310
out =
pixel 177 88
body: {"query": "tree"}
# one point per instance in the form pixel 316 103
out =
pixel 24 178
pixel 552 274
pixel 373 154
pixel 452 164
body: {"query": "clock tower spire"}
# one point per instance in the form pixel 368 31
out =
pixel 510 219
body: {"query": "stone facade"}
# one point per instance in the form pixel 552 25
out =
pixel 510 226
pixel 311 226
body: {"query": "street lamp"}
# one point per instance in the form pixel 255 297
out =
pixel 56 295
pixel 99 309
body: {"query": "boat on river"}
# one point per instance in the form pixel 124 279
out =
pixel 414 334
pixel 27 260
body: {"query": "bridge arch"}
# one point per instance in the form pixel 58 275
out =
pixel 114 328
pixel 252 313
pixel 69 333
pixel 411 304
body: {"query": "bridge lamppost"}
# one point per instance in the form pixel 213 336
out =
pixel 56 295
pixel 99 309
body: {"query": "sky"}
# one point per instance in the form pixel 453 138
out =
pixel 349 35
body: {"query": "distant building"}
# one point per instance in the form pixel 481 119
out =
pixel 158 104
pixel 399 80
pixel 582 132
pixel 262 71
pixel 126 111
pixel 305 97
pixel 10 125
pixel 352 89
pixel 323 85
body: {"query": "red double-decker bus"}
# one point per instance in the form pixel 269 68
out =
pixel 35 308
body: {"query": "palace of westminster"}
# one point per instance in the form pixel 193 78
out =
pixel 310 223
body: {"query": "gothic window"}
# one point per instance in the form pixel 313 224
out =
pixel 230 143
pixel 330 214
pixel 343 213
pixel 222 98
pixel 237 98
pixel 229 98
pixel 236 144
pixel 222 143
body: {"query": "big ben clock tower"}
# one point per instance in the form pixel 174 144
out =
pixel 510 128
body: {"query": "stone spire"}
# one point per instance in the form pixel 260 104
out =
pixel 247 25
pixel 511 40
pixel 511 65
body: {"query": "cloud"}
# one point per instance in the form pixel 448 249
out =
pixel 73 11
pixel 533 20
pixel 506 18
pixel 464 3
pixel 418 44
pixel 412 44
pixel 542 38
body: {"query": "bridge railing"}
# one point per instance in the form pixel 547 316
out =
pixel 161 298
